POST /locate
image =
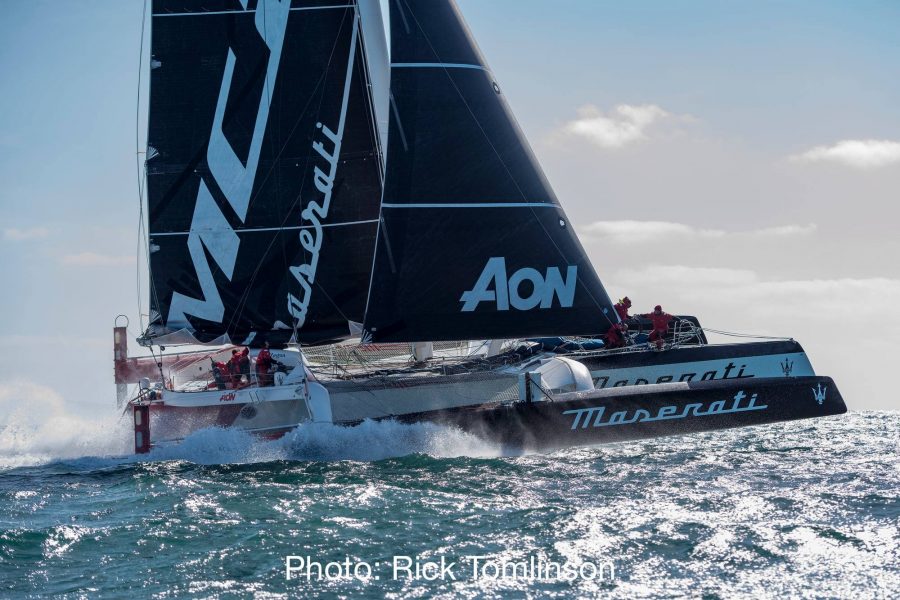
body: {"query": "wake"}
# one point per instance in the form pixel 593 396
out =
pixel 38 427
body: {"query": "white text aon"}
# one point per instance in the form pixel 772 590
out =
pixel 494 286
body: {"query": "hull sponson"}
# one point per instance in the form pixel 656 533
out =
pixel 603 416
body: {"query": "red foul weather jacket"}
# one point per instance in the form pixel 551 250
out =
pixel 263 361
pixel 622 311
pixel 660 321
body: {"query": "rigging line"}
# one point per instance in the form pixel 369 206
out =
pixel 500 158
pixel 245 295
pixel 383 155
pixel 140 182
pixel 370 91
pixel 402 16
pixel 744 335
pixel 378 234
pixel 270 229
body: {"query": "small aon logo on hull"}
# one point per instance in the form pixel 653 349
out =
pixel 505 292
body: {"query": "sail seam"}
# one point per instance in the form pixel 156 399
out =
pixel 437 65
pixel 242 12
pixel 475 205
pixel 263 229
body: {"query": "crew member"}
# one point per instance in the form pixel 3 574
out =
pixel 244 363
pixel 263 364
pixel 615 337
pixel 660 322
pixel 220 375
pixel 234 368
pixel 622 307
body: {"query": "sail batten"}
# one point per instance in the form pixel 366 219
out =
pixel 270 229
pixel 433 65
pixel 209 13
pixel 471 205
pixel 472 243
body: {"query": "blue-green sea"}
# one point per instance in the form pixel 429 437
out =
pixel 808 509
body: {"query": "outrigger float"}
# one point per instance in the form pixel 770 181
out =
pixel 366 214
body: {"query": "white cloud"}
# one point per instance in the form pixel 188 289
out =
pixel 862 154
pixel 640 232
pixel 741 299
pixel 785 230
pixel 23 235
pixel 681 275
pixel 636 232
pixel 93 259
pixel 623 125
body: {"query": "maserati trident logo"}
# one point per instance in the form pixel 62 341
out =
pixel 819 393
pixel 494 286
pixel 787 367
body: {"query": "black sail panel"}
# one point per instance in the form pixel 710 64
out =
pixel 263 172
pixel 472 241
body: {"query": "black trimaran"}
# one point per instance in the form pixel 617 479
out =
pixel 366 217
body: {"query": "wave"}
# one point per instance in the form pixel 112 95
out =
pixel 38 427
pixel 368 441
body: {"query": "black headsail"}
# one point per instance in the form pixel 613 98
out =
pixel 264 171
pixel 473 243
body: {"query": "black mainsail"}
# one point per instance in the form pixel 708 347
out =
pixel 264 171
pixel 472 243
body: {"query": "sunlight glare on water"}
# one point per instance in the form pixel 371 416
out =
pixel 807 508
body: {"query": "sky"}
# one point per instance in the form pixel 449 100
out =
pixel 737 161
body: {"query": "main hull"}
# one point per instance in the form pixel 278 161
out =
pixel 550 422
pixel 533 401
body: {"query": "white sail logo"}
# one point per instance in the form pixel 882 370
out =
pixel 311 239
pixel 494 286
pixel 235 177
pixel 314 213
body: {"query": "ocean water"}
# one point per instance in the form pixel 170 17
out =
pixel 803 509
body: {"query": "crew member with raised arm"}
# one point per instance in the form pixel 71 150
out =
pixel 660 322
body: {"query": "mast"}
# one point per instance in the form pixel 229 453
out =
pixel 379 67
